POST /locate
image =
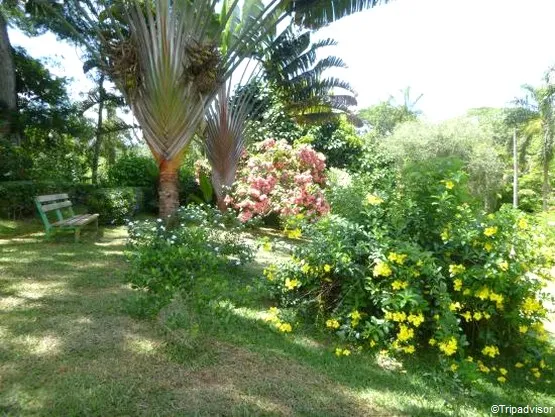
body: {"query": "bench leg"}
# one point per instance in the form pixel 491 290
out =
pixel 77 234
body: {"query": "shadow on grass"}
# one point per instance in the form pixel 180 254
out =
pixel 70 348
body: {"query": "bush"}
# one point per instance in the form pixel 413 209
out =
pixel 16 197
pixel 166 259
pixel 15 163
pixel 423 270
pixel 116 205
pixel 280 179
pixel 133 171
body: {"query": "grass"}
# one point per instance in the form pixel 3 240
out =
pixel 72 346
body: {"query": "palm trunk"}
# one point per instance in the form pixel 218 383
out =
pixel 98 141
pixel 168 192
pixel 8 92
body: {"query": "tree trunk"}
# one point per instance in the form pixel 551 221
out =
pixel 98 141
pixel 8 92
pixel 546 188
pixel 168 187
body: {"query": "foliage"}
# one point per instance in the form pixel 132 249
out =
pixel 165 259
pixel 15 163
pixel 133 170
pixel 338 140
pixel 280 179
pixel 116 205
pixel 295 74
pixel 16 197
pixel 459 138
pixel 422 269
pixel 384 117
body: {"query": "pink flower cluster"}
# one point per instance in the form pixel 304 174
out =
pixel 282 179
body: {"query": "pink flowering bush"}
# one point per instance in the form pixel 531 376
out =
pixel 282 179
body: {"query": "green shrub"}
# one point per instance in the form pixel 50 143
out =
pixel 424 270
pixel 115 205
pixel 16 197
pixel 166 259
pixel 133 171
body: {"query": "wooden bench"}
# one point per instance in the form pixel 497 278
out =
pixel 57 203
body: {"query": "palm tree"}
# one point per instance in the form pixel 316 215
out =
pixel 541 100
pixel 296 75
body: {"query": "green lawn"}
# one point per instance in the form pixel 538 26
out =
pixel 72 345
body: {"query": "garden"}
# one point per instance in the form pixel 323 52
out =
pixel 265 248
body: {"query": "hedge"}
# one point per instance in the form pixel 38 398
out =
pixel 16 198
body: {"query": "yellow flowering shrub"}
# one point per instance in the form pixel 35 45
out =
pixel 437 275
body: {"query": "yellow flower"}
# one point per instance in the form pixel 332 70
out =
pixel 285 327
pixel 483 293
pixel 491 351
pixel 397 284
pixel 267 246
pixel 449 184
pixel 530 305
pixel 397 258
pixel 483 368
pixel 488 246
pixel 519 365
pixel 399 316
pixel 382 269
pixel 455 269
pixel 372 343
pixel 469 359
pixel 490 231
pixel 487 315
pixel 416 319
pixel 327 268
pixel 449 347
pixel 522 223
pixel 445 235
pixel 467 291
pixel 467 315
pixel 291 284
pixel 455 306
pixel 498 298
pixel 409 349
pixel 522 329
pixel 477 316
pixel 346 352
pixel 537 374
pixel 332 324
pixel 502 379
pixel 503 371
pixel 405 333
pixel 293 234
pixel 436 317
pixel 269 273
pixel 373 200
pixel 355 316
pixel 457 284
pixel 504 265
pixel 454 367
pixel 338 351
pixel 274 310
pixel 432 342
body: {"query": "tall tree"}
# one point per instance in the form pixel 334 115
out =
pixel 8 94
pixel 541 100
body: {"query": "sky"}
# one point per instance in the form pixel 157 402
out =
pixel 459 54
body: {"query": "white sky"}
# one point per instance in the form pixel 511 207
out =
pixel 459 53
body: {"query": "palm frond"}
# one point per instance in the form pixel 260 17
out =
pixel 317 13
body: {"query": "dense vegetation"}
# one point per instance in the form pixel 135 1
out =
pixel 371 234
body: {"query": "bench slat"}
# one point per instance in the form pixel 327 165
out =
pixel 78 220
pixel 54 206
pixel 52 197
